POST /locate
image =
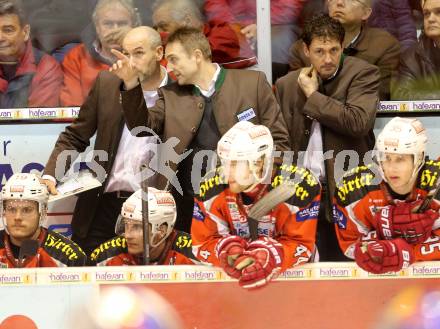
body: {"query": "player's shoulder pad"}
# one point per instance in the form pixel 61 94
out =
pixel 305 183
pixel 429 175
pixel 211 184
pixel 109 249
pixel 183 244
pixel 63 249
pixel 357 183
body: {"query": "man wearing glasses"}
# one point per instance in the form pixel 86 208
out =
pixel 376 46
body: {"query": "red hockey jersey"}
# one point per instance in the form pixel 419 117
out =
pixel 361 194
pixel 218 212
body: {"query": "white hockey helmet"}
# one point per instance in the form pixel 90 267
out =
pixel 403 136
pixel 26 187
pixel 161 208
pixel 248 142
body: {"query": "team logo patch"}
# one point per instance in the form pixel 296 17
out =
pixel 246 115
pixel 17 188
pixel 308 213
pixel 234 212
pixel 339 218
pixel 197 213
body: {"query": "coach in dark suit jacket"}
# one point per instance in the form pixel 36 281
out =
pixel 200 108
pixel 96 211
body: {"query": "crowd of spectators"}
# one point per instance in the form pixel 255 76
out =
pixel 62 46
pixel 166 66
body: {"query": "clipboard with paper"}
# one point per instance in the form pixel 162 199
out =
pixel 76 184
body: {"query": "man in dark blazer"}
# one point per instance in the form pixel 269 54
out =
pixel 373 45
pixel 96 210
pixel 206 101
pixel 329 106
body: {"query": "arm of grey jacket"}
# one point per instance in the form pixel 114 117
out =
pixel 356 116
pixel 137 114
pixel 407 86
pixel 77 135
pixel 270 114
pixel 387 64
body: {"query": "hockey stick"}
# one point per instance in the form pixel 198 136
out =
pixel 262 207
pixel 29 248
pixel 431 195
pixel 145 216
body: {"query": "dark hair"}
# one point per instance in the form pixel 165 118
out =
pixel 191 39
pixel 13 7
pixel 322 26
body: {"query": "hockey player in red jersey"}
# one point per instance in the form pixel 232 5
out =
pixel 221 229
pixel 387 213
pixel 167 246
pixel 23 241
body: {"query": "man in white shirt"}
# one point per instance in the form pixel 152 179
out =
pixel 97 210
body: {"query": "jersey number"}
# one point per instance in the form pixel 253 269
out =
pixel 205 254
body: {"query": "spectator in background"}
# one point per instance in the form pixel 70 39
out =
pixel 228 46
pixel 284 14
pixel 28 77
pixel 419 71
pixel 373 45
pixel 329 107
pixel 57 24
pixel 81 65
pixel 395 16
pixel 310 9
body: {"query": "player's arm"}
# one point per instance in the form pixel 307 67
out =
pixel 207 228
pixel 298 232
pixel 429 250
pixel 352 223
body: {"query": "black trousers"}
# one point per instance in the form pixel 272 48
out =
pixel 326 240
pixel 103 224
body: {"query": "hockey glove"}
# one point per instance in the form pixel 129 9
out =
pixel 227 250
pixel 260 263
pixel 383 256
pixel 402 221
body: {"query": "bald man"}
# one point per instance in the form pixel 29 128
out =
pixel 96 210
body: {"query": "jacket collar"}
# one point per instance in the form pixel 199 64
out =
pixel 218 83
pixel 357 45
